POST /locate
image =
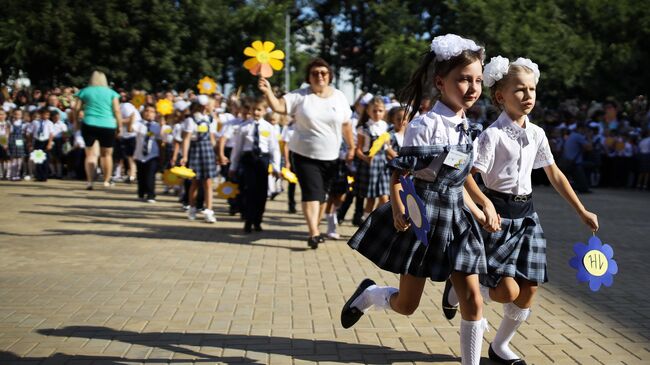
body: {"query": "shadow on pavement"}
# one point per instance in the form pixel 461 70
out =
pixel 297 348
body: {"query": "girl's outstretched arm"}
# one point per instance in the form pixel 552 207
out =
pixel 399 212
pixel 562 186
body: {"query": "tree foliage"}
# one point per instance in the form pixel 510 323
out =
pixel 587 48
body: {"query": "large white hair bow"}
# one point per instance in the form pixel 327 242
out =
pixel 451 45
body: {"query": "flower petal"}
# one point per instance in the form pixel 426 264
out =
pixel 268 46
pixel 256 70
pixel 594 283
pixel 580 249
pixel 608 251
pixel 277 54
pixel 250 63
pixel 594 243
pixel 575 262
pixel 612 267
pixel 258 46
pixel 608 280
pixel 266 70
pixel 250 52
pixel 582 275
pixel 276 64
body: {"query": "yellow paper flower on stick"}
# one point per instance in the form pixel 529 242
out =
pixel 378 144
pixel 183 172
pixel 207 85
pixel 264 59
pixel 227 190
pixel 170 179
pixel 137 100
pixel 164 107
pixel 289 175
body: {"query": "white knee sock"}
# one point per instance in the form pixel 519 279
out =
pixel 513 317
pixel 471 340
pixel 331 223
pixel 374 296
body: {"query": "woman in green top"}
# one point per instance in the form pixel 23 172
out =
pixel 101 123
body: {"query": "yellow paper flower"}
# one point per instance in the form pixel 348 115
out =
pixel 137 100
pixel 207 85
pixel 378 144
pixel 183 172
pixel 170 179
pixel 264 59
pixel 164 107
pixel 227 190
pixel 289 175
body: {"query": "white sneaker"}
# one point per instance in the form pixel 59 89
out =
pixel 191 213
pixel 151 200
pixel 209 216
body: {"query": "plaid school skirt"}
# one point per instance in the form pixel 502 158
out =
pixel 374 178
pixel 519 249
pixel 202 159
pixel 16 151
pixel 455 242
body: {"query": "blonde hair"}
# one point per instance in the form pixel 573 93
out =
pixel 512 71
pixel 98 78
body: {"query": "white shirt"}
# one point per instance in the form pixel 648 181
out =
pixel 399 137
pixel 59 128
pixel 506 155
pixel 229 129
pixel 376 129
pixel 127 110
pixel 439 126
pixel 189 125
pixel 318 123
pixel 141 129
pixel 244 140
pixel 177 132
pixel 42 133
pixel 287 133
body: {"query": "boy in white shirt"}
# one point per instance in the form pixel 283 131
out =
pixel 255 146
pixel 147 152
pixel 42 137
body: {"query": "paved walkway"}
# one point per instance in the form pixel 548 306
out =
pixel 100 278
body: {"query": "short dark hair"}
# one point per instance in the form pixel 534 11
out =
pixel 318 62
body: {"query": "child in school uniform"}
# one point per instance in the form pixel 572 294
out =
pixel 60 129
pixel 256 145
pixel 437 151
pixel 506 154
pixel 275 182
pixel 231 123
pixel 199 133
pixel 373 176
pixel 287 133
pixel 17 144
pixel 4 145
pixel 396 117
pixel 147 153
pixel 42 138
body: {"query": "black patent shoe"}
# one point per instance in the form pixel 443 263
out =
pixel 494 357
pixel 448 309
pixel 351 315
pixel 313 242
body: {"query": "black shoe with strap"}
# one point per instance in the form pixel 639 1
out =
pixel 448 309
pixel 349 314
pixel 312 242
pixel 497 359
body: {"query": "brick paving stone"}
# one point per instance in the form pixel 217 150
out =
pixel 96 277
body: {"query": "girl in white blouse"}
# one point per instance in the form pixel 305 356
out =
pixel 506 154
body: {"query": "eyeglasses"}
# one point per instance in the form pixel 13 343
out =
pixel 319 73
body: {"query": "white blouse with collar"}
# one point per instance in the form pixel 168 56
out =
pixel 437 127
pixel 506 155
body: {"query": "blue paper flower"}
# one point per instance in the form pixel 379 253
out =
pixel 594 263
pixel 415 211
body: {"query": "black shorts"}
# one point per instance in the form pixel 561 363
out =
pixel 314 176
pixel 105 136
pixel 128 146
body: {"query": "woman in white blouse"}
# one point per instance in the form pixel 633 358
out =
pixel 322 117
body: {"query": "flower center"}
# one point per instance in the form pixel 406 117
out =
pixel 595 262
pixel 263 57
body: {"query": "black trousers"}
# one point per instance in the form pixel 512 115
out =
pixel 254 184
pixel 291 194
pixel 42 170
pixel 147 178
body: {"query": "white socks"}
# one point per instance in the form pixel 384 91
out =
pixel 513 317
pixel 471 340
pixel 377 296
pixel 332 223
